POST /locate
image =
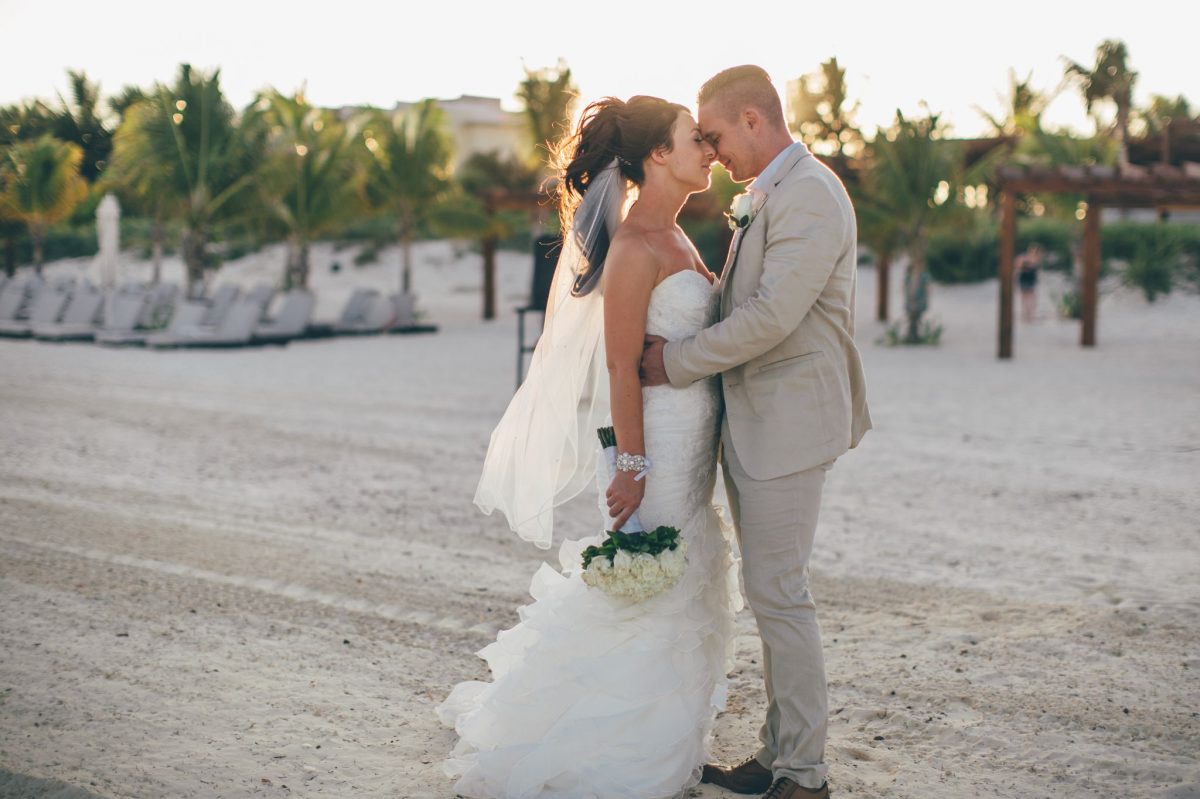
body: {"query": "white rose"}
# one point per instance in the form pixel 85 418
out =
pixel 673 562
pixel 742 207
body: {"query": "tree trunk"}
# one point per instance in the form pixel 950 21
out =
pixel 156 250
pixel 1122 135
pixel 1088 285
pixel 883 264
pixel 1008 245
pixel 297 269
pixel 916 291
pixel 38 239
pixel 193 245
pixel 489 277
pixel 10 255
pixel 406 270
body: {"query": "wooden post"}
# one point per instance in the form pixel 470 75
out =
pixel 489 277
pixel 1090 278
pixel 881 287
pixel 1008 246
pixel 489 262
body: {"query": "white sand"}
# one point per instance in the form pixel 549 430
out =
pixel 254 572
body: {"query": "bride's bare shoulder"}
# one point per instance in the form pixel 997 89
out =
pixel 632 246
pixel 632 262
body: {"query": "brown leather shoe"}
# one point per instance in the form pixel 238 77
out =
pixel 785 788
pixel 746 777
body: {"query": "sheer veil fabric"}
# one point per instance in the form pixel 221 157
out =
pixel 542 453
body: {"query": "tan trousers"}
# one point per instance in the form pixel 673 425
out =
pixel 775 522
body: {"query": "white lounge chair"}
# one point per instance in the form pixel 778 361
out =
pixel 79 319
pixel 366 312
pixel 262 293
pixel 235 330
pixel 185 316
pixel 405 320
pixel 222 300
pixel 291 321
pixel 159 305
pixel 47 306
pixel 16 298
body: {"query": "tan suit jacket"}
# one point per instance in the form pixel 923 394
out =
pixel 795 395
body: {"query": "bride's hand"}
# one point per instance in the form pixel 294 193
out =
pixel 624 497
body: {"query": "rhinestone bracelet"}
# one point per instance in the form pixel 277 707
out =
pixel 628 462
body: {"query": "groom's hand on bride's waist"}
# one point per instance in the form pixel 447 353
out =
pixel 652 371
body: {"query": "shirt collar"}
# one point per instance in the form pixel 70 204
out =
pixel 768 174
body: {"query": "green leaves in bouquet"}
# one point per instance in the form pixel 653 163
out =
pixel 608 437
pixel 653 542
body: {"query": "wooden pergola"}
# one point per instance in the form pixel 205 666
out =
pixel 1161 186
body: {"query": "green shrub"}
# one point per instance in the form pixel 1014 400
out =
pixel 1156 257
pixel 1152 267
pixel 1070 305
pixel 62 241
pixel 1123 240
pixel 973 254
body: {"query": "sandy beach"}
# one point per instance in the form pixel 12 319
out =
pixel 255 572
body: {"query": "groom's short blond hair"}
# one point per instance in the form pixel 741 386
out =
pixel 731 90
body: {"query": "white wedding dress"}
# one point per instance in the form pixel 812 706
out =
pixel 596 698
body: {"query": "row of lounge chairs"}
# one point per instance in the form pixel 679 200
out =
pixel 158 317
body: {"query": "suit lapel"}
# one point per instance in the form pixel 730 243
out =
pixel 799 153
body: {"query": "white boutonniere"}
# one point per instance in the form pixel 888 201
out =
pixel 744 208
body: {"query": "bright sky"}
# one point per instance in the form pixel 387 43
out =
pixel 952 55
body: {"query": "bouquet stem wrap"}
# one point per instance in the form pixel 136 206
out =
pixel 633 524
pixel 631 563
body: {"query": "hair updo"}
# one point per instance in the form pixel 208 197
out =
pixel 612 128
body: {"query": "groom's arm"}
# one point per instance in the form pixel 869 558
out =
pixel 805 237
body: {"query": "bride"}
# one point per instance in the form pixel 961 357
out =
pixel 594 696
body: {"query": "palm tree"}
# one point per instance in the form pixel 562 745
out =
pixel 547 97
pixel 882 232
pixel 40 186
pixel 490 182
pixel 184 147
pixel 819 115
pixel 1023 108
pixel 908 190
pixel 1110 79
pixel 129 97
pixel 25 122
pixel 309 181
pixel 20 122
pixel 147 191
pixel 78 120
pixel 408 156
pixel 1162 111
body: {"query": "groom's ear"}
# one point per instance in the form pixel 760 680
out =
pixel 752 119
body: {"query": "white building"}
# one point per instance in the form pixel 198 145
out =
pixel 480 125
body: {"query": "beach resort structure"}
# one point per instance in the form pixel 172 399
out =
pixel 481 125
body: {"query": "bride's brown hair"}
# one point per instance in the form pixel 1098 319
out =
pixel 612 128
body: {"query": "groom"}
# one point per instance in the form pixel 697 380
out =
pixel 795 400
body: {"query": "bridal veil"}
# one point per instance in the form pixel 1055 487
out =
pixel 543 451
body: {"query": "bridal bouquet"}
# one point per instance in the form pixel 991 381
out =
pixel 632 563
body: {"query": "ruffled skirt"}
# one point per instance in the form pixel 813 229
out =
pixel 597 698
